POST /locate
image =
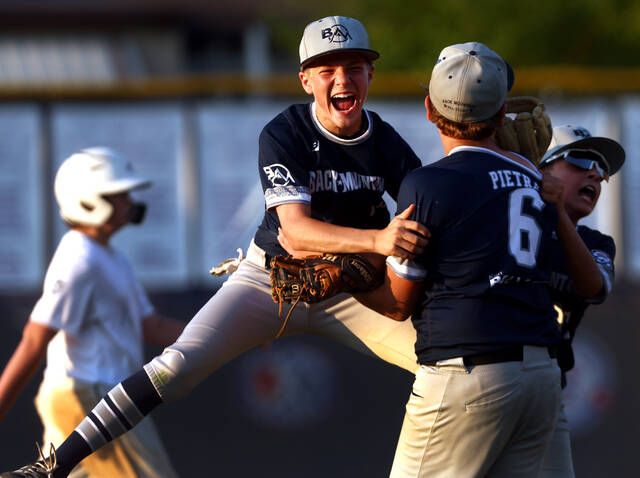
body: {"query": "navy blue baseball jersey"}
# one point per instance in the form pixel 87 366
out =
pixel 603 250
pixel 342 179
pixel 485 269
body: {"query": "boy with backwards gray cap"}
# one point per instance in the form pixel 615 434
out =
pixel 324 167
pixel 487 392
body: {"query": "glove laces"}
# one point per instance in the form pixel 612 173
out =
pixel 285 321
pixel 45 466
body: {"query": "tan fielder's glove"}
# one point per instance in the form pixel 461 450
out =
pixel 316 278
pixel 529 131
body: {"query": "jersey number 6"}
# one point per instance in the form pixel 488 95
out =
pixel 524 231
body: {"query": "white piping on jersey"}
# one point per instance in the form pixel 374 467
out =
pixel 337 139
pixel 480 149
pixel 406 268
pixel 286 194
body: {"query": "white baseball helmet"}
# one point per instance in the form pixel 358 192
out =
pixel 569 137
pixel 84 177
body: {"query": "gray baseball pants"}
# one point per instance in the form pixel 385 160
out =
pixel 242 315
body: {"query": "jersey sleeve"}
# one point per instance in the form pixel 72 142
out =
pixel 282 173
pixel 66 299
pixel 604 252
pixel 411 193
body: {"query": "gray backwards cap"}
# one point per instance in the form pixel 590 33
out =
pixel 576 137
pixel 334 34
pixel 469 82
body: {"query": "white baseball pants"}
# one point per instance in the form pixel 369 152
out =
pixel 492 420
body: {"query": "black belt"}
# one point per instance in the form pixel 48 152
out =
pixel 506 354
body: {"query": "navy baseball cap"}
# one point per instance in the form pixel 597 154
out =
pixel 469 82
pixel 610 153
pixel 332 35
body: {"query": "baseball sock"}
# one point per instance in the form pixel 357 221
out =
pixel 118 412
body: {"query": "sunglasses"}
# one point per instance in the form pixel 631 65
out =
pixel 586 159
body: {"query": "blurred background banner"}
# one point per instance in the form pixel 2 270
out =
pixel 231 200
pixel 183 89
pixel 23 197
pixel 207 200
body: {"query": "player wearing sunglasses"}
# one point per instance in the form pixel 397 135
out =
pixel 573 169
pixel 586 159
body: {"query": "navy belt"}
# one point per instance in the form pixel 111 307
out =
pixel 505 354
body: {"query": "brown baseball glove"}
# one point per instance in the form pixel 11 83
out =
pixel 316 278
pixel 529 131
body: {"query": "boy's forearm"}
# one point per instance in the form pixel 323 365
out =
pixel 584 273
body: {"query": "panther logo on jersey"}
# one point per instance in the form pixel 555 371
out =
pixel 602 259
pixel 278 175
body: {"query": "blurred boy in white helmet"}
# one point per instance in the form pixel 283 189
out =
pixel 92 318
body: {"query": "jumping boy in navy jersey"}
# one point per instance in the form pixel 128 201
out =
pixel 324 167
pixel 487 393
pixel 574 167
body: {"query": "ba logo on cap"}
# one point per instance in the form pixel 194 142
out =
pixel 583 133
pixel 336 34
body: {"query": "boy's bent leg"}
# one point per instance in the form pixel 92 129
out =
pixel 241 316
pixel 346 320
